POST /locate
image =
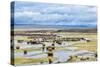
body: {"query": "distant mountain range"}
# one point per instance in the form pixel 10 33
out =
pixel 59 28
pixel 52 26
pixel 87 30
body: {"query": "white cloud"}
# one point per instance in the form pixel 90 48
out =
pixel 55 14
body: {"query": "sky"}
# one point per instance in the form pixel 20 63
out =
pixel 34 13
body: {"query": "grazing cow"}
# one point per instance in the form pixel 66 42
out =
pixel 20 41
pixel 58 42
pixel 85 39
pixel 53 46
pixel 25 52
pixel 17 47
pixel 31 42
pixel 50 54
pixel 43 47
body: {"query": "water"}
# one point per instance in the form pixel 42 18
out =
pixel 61 55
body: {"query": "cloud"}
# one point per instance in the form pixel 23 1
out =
pixel 54 14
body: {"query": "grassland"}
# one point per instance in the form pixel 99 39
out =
pixel 89 46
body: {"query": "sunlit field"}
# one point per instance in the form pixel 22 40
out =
pixel 34 47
